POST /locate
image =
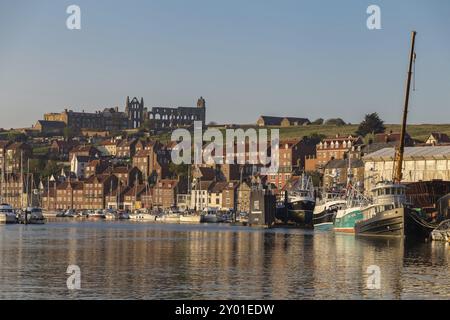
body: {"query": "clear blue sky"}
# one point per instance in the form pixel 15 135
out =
pixel 247 58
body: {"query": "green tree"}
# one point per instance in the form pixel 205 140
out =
pixel 314 138
pixel 318 122
pixel 68 133
pixel 371 124
pixel 17 136
pixel 178 170
pixel 335 122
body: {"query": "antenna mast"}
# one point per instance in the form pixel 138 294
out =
pixel 398 164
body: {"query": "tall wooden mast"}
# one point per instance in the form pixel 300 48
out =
pixel 397 178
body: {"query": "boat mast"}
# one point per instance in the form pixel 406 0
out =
pixel 397 178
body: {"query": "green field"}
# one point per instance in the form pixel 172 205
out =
pixel 416 131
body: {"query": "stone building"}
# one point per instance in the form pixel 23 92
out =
pixel 243 197
pixel 133 117
pixel 336 173
pixel 292 156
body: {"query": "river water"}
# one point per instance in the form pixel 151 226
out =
pixel 129 260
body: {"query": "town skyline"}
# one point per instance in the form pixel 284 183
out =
pixel 318 61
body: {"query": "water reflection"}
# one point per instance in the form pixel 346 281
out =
pixel 144 261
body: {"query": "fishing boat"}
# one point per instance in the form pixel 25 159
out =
pixel 32 215
pixel 391 215
pixel 351 212
pixel 7 214
pixel 301 202
pixel 325 213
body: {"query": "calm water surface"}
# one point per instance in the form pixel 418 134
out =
pixel 126 260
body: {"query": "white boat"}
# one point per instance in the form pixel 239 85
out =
pixel 109 215
pixel 98 214
pixel 7 214
pixel 70 213
pixel 442 232
pixel 325 213
pixel 142 216
pixel 32 215
pixel 190 218
pixel 170 218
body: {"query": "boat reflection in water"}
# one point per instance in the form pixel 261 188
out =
pixel 168 261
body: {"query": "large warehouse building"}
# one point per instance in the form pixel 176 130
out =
pixel 420 164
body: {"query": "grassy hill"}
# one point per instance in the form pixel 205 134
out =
pixel 416 131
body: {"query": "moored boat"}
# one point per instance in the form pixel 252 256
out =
pixel 170 218
pixel 346 219
pixel 390 215
pixel 190 218
pixel 442 232
pixel 7 214
pixel 32 215
pixel 301 202
pixel 325 213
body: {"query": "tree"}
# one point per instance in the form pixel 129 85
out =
pixel 335 122
pixel 178 170
pixel 318 122
pixel 314 138
pixel 371 124
pixel 17 136
pixel 68 133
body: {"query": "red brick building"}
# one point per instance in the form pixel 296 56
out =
pixel 335 148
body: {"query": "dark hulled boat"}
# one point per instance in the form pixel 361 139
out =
pixel 325 213
pixel 301 202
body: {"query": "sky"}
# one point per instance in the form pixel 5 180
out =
pixel 314 59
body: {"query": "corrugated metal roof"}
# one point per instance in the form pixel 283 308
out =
pixel 412 153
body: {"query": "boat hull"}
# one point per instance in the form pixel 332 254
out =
pixel 301 213
pixel 398 222
pixel 347 222
pixel 210 218
pixel 7 219
pixel 190 219
pixel 324 219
